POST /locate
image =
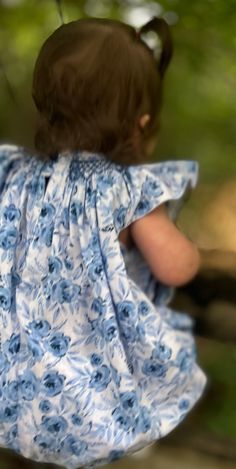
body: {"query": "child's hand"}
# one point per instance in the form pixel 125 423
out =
pixel 173 259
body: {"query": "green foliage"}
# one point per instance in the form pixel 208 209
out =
pixel 219 411
pixel 199 109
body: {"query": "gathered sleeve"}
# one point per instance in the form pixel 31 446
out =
pixel 137 190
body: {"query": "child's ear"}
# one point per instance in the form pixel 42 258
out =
pixel 144 120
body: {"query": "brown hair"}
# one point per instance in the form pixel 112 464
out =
pixel 93 80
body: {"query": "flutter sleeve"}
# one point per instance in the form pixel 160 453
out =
pixel 141 189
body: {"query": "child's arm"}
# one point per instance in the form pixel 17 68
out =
pixel 172 258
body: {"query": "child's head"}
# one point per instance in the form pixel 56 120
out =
pixel 98 87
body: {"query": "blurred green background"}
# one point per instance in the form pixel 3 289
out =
pixel 199 116
pixel 198 122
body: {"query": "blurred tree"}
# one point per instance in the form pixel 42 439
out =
pixel 199 112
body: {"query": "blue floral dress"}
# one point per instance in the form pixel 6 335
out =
pixel 93 363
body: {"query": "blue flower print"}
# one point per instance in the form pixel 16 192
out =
pixel 65 291
pixel 54 265
pixel 77 420
pixel 126 310
pixel 76 209
pixel 58 344
pixel 11 213
pixel 129 334
pixel 95 324
pixel 11 391
pixel 143 207
pixel 74 445
pixel 12 346
pixel 20 180
pixel 162 352
pixel 100 378
pixel 46 235
pixel 33 185
pixel 35 348
pixel 125 422
pixel 115 376
pixel 45 442
pixel 89 345
pixel 5 298
pixel 36 186
pixel 9 413
pixel 104 183
pixel 45 406
pixel 47 288
pixel 99 306
pixel 119 217
pixel 8 238
pixel 115 454
pixel 69 265
pixel 47 212
pixel 95 269
pixel 184 404
pixel 94 243
pixel 143 308
pixel 4 364
pixel 15 278
pixel 13 432
pixel 184 360
pixel 96 359
pixel 143 421
pixel 109 329
pixel 75 170
pixel 54 425
pixel 28 385
pixel 129 401
pixel 154 368
pixel 91 197
pixel 52 383
pixel 39 328
pixel 152 188
pixel 65 218
pixel 140 331
pixel 11 438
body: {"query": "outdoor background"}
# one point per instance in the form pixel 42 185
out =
pixel 198 122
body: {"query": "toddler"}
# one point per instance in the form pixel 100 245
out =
pixel 93 363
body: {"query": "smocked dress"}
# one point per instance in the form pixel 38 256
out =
pixel 93 363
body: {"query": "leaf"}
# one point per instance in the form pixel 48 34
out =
pixel 56 314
